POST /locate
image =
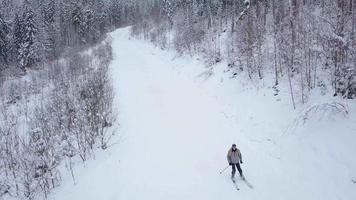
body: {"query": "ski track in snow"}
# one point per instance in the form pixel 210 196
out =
pixel 174 135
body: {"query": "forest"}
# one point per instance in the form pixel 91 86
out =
pixel 311 42
pixel 56 98
pixel 55 91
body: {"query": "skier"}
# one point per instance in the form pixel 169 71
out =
pixel 235 159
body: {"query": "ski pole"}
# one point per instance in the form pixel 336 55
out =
pixel 224 169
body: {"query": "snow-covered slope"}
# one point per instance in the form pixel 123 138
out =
pixel 176 127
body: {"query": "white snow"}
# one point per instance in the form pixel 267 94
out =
pixel 176 128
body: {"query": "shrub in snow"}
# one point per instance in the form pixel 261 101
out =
pixel 71 115
pixel 324 111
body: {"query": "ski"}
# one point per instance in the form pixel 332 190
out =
pixel 247 183
pixel 234 182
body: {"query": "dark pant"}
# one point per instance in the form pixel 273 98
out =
pixel 234 166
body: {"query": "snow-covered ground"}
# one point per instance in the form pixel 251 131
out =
pixel 176 126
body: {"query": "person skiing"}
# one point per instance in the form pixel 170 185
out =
pixel 235 159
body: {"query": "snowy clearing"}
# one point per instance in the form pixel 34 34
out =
pixel 176 128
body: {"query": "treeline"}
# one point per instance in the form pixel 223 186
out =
pixel 32 32
pixel 312 42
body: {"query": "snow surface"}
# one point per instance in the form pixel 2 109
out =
pixel 177 123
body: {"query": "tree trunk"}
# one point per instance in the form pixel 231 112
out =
pixel 275 62
pixel 291 88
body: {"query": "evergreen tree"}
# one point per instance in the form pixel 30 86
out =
pixel 28 52
pixel 17 34
pixel 4 31
pixel 101 17
pixel 80 21
pixel 115 13
pixel 168 8
pixel 50 32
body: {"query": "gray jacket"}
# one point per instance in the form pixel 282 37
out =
pixel 234 156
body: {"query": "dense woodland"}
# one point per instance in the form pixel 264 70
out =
pixel 310 42
pixel 56 101
pixel 36 31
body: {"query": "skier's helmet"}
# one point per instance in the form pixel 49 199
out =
pixel 234 146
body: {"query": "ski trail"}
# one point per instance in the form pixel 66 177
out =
pixel 174 135
pixel 173 138
pixel 169 142
pixel 172 130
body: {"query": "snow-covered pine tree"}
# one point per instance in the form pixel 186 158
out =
pixel 115 10
pixel 4 31
pixel 80 21
pixel 100 18
pixel 87 31
pixel 50 32
pixel 17 33
pixel 28 55
pixel 168 8
pixel 76 17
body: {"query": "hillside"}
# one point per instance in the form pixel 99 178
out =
pixel 176 125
